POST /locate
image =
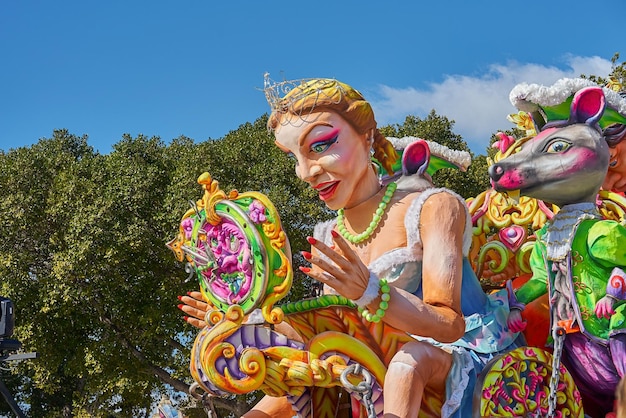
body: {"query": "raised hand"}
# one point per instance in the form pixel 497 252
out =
pixel 193 304
pixel 345 272
pixel 604 307
pixel 515 321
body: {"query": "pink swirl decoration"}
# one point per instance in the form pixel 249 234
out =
pixel 257 212
pixel 617 282
pixel 187 225
pixel 230 278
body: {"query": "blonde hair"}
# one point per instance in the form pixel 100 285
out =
pixel 328 95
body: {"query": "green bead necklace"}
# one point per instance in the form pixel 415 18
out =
pixel 378 215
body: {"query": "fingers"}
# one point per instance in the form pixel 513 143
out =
pixel 194 306
pixel 335 256
pixel 517 326
pixel 195 300
pixel 341 254
pixel 604 308
pixel 604 311
pixel 515 321
pixel 320 266
pixel 195 322
pixel 521 327
pixel 340 267
pixel 599 311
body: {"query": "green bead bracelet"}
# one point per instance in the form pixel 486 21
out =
pixel 382 306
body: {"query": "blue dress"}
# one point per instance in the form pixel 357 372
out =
pixel 486 332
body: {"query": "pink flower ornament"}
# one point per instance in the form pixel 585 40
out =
pixel 257 212
pixel 187 225
pixel 504 142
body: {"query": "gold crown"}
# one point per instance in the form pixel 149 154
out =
pixel 281 98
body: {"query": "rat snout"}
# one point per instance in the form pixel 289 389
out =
pixel 495 172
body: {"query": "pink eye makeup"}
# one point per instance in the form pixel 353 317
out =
pixel 324 142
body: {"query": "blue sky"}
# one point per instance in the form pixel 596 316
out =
pixel 194 68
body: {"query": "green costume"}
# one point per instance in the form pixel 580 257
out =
pixel 597 246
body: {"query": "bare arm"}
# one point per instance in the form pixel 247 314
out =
pixel 438 315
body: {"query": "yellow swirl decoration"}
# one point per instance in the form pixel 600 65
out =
pixel 493 212
pixel 474 203
pixel 234 314
pixel 517 384
pixel 212 195
pixel 526 209
pixel 612 206
pixel 213 316
pixel 274 384
pixel 499 210
pixel 523 257
pixel 194 361
pixel 299 373
pixel 212 347
pixel 338 342
pixel 293 375
pixel 323 372
pixel 252 363
pixel 271 314
pixel 524 122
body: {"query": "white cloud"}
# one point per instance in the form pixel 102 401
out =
pixel 478 105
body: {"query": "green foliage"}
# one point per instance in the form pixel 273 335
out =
pixel 83 256
pixel 439 129
pixel 617 74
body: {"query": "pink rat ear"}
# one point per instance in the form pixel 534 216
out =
pixel 415 158
pixel 587 106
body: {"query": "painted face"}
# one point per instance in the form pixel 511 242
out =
pixel 331 156
pixel 616 177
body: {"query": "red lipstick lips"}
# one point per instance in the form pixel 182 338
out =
pixel 327 189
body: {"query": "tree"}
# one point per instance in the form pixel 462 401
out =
pixel 85 263
pixel 616 78
pixel 439 129
pixel 84 259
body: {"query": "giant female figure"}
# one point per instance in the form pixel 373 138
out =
pixel 396 249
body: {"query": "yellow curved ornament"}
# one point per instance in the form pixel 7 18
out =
pixel 332 341
pixel 612 206
pixel 517 383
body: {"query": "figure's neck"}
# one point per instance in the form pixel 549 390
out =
pixel 359 216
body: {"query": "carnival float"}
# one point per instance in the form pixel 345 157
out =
pixel 536 254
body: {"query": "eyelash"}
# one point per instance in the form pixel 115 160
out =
pixel 323 144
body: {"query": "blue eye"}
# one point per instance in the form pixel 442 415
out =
pixel 557 146
pixel 319 147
